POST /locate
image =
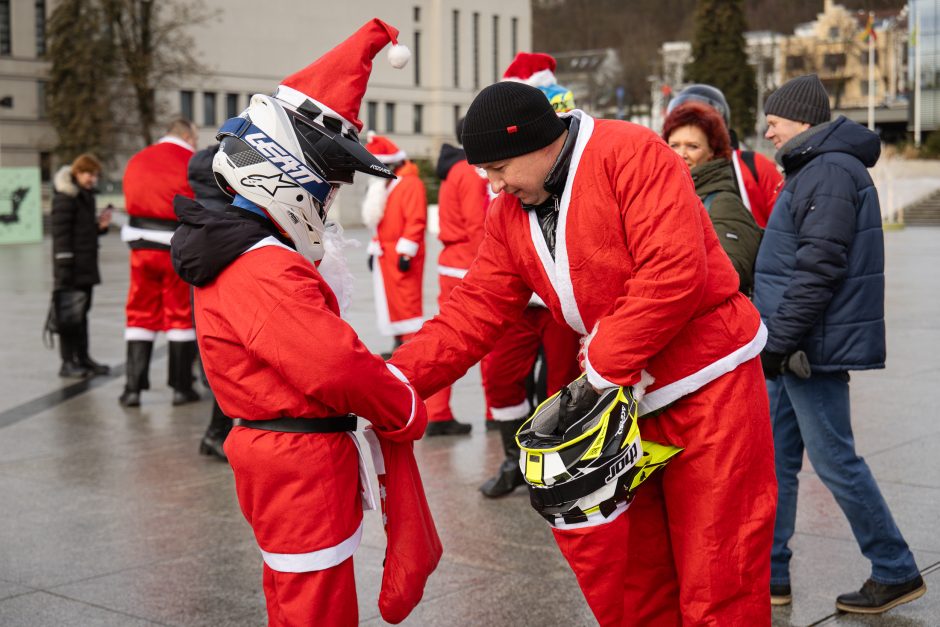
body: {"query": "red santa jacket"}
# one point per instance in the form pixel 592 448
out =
pixel 637 265
pixel 401 229
pixel 274 346
pixel 153 177
pixel 761 192
pixel 462 202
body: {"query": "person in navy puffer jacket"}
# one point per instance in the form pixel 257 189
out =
pixel 819 287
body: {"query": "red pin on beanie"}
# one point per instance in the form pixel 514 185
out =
pixel 336 82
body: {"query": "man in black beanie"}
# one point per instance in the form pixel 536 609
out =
pixel 600 219
pixel 819 286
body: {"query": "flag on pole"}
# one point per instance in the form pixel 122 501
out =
pixel 869 31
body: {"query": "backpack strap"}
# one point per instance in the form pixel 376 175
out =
pixel 747 156
pixel 707 201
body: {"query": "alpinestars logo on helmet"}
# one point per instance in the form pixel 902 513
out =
pixel 282 159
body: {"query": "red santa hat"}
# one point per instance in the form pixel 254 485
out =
pixel 532 68
pixel 336 82
pixel 384 149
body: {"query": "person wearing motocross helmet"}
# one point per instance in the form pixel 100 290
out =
pixel 270 286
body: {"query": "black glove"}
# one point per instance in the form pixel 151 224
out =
pixel 404 263
pixel 371 261
pixel 773 364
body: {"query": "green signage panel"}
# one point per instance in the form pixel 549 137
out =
pixel 20 211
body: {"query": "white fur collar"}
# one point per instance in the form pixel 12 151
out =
pixel 63 182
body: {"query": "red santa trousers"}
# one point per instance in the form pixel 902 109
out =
pixel 694 546
pixel 157 300
pixel 504 370
pixel 300 492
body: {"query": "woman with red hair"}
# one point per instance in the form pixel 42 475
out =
pixel 698 134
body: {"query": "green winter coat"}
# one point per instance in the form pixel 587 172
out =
pixel 737 231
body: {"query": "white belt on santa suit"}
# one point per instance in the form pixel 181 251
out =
pixel 331 556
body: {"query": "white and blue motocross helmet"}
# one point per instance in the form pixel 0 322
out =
pixel 290 160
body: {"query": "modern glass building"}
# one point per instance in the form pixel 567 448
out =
pixel 924 25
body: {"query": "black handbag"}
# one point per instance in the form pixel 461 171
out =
pixel 67 311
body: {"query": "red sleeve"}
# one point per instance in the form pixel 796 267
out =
pixel 316 352
pixel 664 221
pixel 414 203
pixel 770 183
pixel 491 297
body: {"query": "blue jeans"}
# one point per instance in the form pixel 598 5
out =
pixel 814 413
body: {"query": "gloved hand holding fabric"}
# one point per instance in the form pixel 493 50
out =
pixel 414 548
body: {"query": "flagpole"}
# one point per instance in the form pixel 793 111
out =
pixel 871 72
pixel 917 79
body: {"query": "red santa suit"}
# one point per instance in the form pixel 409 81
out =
pixel 760 194
pixel 157 300
pixel 639 268
pixel 301 492
pixel 398 211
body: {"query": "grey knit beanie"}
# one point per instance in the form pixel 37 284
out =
pixel 802 99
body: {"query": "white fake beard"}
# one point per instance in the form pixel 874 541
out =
pixel 373 205
pixel 333 267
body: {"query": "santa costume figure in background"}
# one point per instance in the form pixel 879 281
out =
pixel 157 299
pixel 397 210
pixel 270 283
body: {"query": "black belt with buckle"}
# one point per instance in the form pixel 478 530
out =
pixel 327 424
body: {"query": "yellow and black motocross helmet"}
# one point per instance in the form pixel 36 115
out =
pixel 594 465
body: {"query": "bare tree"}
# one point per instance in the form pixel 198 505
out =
pixel 109 60
pixel 155 49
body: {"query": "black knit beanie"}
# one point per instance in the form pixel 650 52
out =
pixel 508 119
pixel 802 99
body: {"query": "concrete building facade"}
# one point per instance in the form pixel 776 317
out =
pixel 247 47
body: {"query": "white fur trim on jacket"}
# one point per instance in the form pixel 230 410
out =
pixel 658 399
pixel 314 560
pixel 457 273
pixel 406 247
pixel 170 139
pixel 63 182
pixel 557 270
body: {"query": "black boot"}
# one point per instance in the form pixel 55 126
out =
pixel 182 358
pixel 138 372
pixel 509 476
pixel 84 358
pixel 212 441
pixel 68 349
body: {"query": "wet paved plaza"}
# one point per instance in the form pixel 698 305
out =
pixel 109 516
